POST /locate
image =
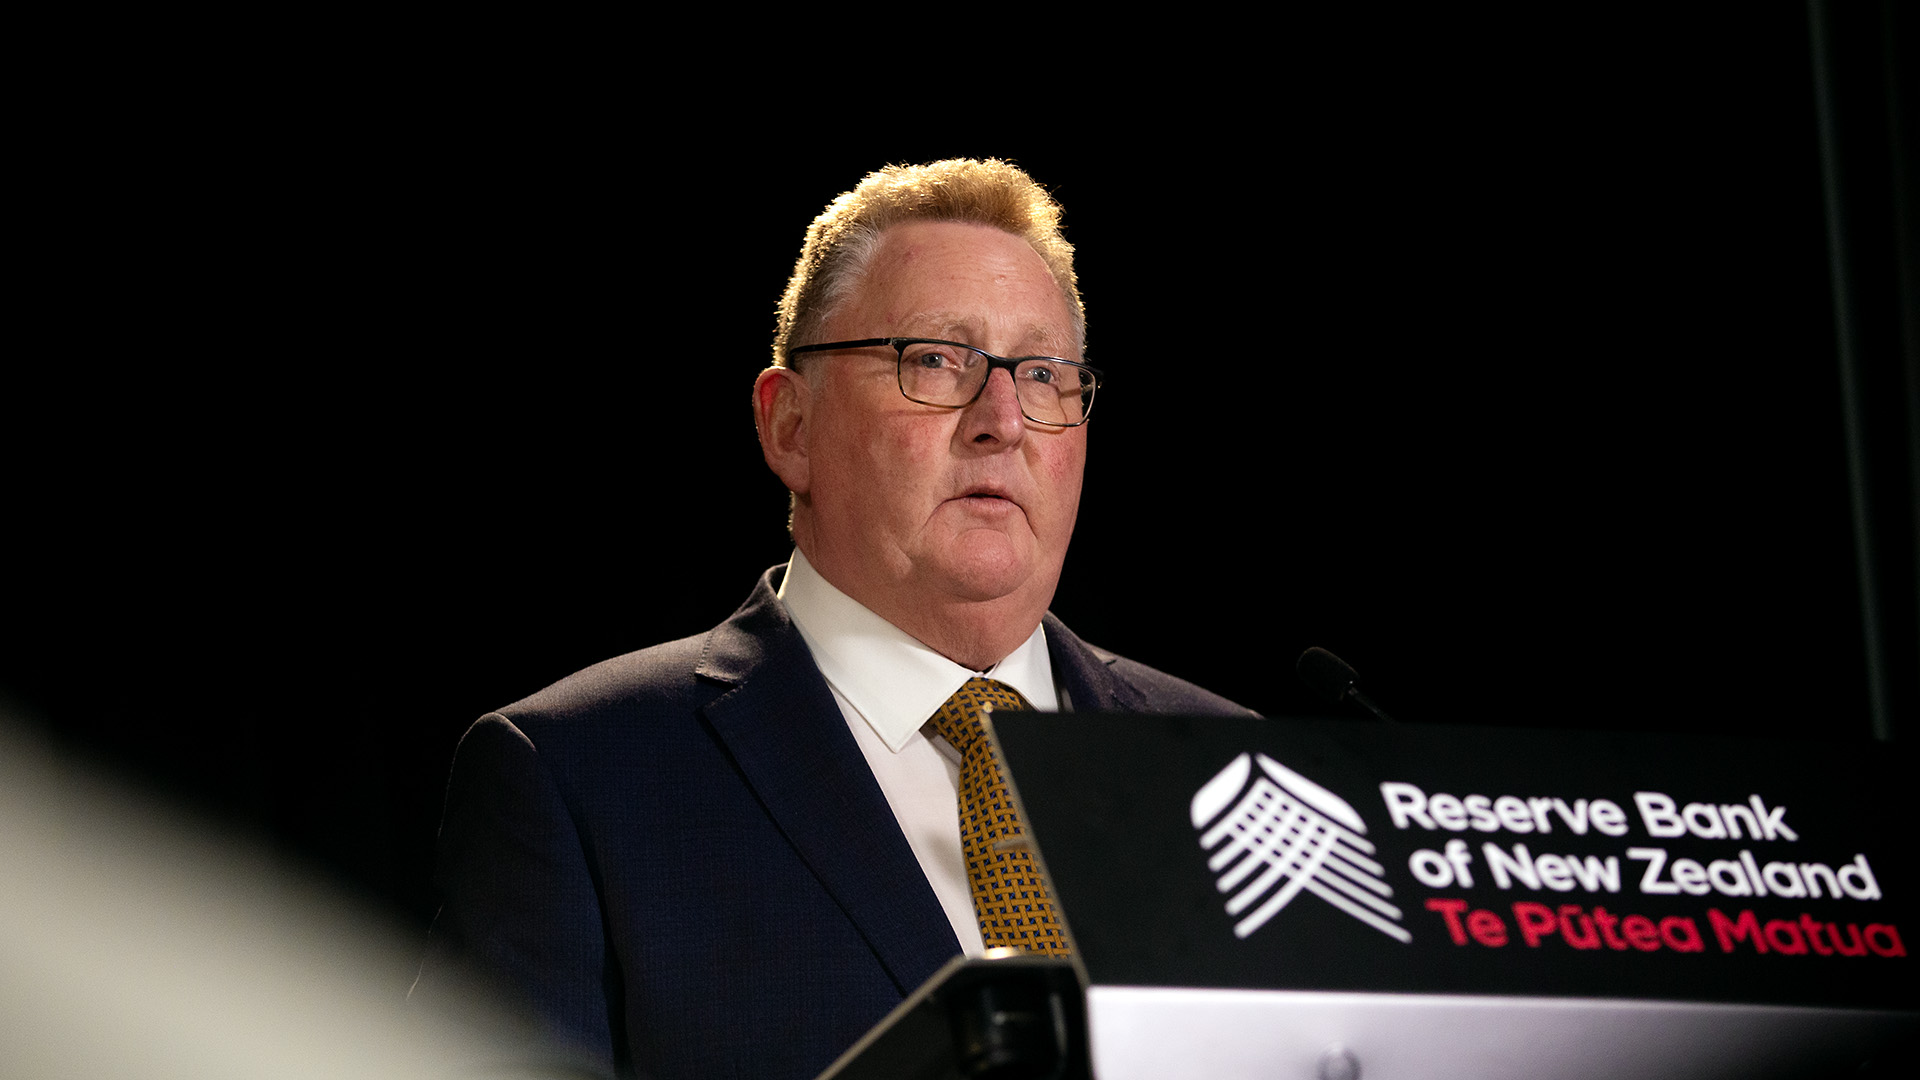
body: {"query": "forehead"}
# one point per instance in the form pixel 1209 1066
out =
pixel 966 282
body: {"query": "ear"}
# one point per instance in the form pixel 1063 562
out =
pixel 781 398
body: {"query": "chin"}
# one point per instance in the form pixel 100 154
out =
pixel 990 578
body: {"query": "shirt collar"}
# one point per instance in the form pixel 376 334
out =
pixel 892 680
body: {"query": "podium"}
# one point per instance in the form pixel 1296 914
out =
pixel 1335 900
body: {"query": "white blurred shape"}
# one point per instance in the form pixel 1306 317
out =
pixel 136 943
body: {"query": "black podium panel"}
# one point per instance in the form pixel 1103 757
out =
pixel 1340 856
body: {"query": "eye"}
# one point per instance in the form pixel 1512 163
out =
pixel 1041 372
pixel 932 357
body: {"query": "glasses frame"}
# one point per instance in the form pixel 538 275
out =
pixel 1010 363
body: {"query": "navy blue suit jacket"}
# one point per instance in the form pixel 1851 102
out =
pixel 681 862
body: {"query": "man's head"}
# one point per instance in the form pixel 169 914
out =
pixel 951 523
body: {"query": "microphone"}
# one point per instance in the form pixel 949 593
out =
pixel 1331 678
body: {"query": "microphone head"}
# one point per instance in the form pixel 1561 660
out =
pixel 1326 674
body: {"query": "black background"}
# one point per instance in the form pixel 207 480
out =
pixel 1493 352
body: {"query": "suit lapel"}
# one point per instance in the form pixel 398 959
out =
pixel 1086 673
pixel 785 730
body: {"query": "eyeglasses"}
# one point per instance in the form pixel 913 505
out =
pixel 1051 391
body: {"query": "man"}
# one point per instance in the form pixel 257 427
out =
pixel 731 855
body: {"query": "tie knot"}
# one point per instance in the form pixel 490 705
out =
pixel 959 720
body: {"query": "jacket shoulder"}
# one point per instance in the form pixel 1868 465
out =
pixel 1165 693
pixel 677 677
pixel 1101 681
pixel 661 673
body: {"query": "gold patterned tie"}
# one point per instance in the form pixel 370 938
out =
pixel 1009 895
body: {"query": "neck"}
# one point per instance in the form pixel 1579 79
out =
pixel 976 634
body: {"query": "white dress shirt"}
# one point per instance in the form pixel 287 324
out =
pixel 888 685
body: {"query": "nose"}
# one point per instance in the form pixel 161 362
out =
pixel 995 418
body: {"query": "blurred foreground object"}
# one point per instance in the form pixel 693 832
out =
pixel 140 943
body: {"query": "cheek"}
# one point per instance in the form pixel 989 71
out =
pixel 898 463
pixel 1062 472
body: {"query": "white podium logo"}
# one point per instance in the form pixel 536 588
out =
pixel 1281 833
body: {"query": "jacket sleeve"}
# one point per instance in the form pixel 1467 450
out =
pixel 520 912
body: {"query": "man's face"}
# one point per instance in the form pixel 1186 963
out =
pixel 912 508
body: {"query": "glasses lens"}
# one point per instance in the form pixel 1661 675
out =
pixel 1051 391
pixel 938 374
